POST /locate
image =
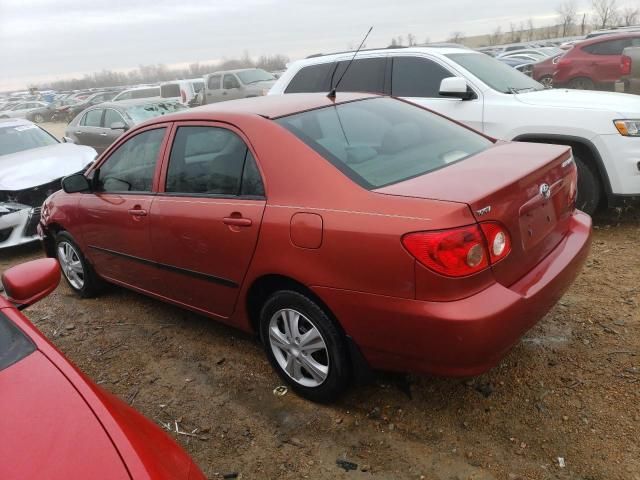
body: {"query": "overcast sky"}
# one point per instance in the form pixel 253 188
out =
pixel 52 39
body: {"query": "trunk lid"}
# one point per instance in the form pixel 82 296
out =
pixel 526 187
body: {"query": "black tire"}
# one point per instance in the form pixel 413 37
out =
pixel 38 118
pixel 335 354
pixel 582 83
pixel 91 282
pixel 589 188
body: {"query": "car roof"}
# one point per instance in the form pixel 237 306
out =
pixel 609 36
pixel 133 102
pixel 269 106
pixel 14 122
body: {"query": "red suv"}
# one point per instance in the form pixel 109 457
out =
pixel 346 231
pixel 594 63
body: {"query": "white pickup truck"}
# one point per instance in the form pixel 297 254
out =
pixel 603 128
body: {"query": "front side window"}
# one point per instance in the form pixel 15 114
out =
pixel 230 81
pixel 494 73
pixel 417 77
pixel 111 116
pixel 382 141
pixel 132 165
pixel 14 345
pixel 213 161
pixel 214 82
pixel 93 118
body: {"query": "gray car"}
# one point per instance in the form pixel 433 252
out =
pixel 22 109
pixel 234 84
pixel 99 126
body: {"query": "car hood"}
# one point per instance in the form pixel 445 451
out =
pixel 583 99
pixel 48 429
pixel 39 166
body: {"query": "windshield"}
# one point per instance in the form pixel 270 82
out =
pixel 253 76
pixel 23 137
pixel 381 141
pixel 494 73
pixel 141 113
pixel 14 345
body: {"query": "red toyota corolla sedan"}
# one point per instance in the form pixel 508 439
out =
pixel 348 232
pixel 55 423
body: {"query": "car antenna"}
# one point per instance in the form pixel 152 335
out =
pixel 332 92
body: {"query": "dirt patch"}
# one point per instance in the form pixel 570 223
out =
pixel 570 389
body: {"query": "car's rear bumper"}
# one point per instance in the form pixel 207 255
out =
pixel 463 337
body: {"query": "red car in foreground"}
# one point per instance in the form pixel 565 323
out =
pixel 57 424
pixel 361 230
pixel 595 63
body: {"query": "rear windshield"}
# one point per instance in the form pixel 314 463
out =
pixel 23 137
pixel 170 90
pixel 14 345
pixel 382 141
pixel 141 113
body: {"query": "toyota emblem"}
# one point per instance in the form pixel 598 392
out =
pixel 545 190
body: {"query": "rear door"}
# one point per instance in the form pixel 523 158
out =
pixel 418 79
pixel 206 218
pixel 604 60
pixel 89 129
pixel 232 89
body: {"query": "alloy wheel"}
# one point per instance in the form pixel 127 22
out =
pixel 298 347
pixel 71 265
pixel 547 81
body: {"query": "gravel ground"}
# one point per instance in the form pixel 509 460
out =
pixel 570 390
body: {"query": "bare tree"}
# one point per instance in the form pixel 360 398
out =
pixel 513 33
pixel 605 13
pixel 496 37
pixel 630 16
pixel 411 39
pixel 456 37
pixel 567 13
pixel 394 42
pixel 531 30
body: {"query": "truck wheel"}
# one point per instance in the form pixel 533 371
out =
pixel 582 83
pixel 589 188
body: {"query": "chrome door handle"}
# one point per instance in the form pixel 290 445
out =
pixel 137 212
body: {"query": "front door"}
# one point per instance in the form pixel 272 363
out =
pixel 231 87
pixel 418 79
pixel 115 224
pixel 206 218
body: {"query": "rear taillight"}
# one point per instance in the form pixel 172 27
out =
pixel 459 252
pixel 625 65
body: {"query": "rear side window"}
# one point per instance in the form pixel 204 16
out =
pixel 211 161
pixel 417 77
pixel 381 141
pixel 170 90
pixel 610 47
pixel 312 79
pixel 364 75
pixel 111 117
pixel 14 345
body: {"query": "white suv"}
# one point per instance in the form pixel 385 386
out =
pixel 603 128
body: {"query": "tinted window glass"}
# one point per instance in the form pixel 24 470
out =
pixel 125 96
pixel 251 179
pixel 111 117
pixel 314 78
pixel 417 77
pixel 610 47
pixel 365 75
pixel 131 167
pixel 146 93
pixel 214 82
pixel 206 160
pixel 14 345
pixel 381 141
pixel 230 81
pixel 93 118
pixel 255 76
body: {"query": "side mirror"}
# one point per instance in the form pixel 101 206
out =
pixel 456 87
pixel 76 183
pixel 119 126
pixel 67 140
pixel 29 282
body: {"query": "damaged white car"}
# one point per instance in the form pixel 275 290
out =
pixel 32 163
